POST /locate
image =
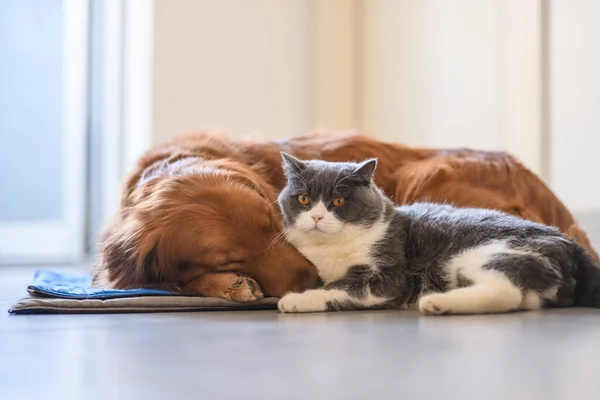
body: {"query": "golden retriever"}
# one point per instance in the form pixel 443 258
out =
pixel 199 215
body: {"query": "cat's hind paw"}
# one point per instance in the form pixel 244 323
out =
pixel 434 304
pixel 309 301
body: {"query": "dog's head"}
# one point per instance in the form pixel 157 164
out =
pixel 183 218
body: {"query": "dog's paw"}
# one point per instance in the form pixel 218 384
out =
pixel 244 290
pixel 434 304
pixel 309 301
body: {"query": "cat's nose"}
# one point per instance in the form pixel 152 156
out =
pixel 317 218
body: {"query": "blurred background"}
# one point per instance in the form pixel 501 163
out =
pixel 87 86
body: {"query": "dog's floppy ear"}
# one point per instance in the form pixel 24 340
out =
pixel 133 256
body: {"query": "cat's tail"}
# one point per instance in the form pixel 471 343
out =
pixel 587 289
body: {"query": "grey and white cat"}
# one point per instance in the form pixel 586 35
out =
pixel 443 259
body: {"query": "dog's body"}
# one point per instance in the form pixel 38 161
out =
pixel 199 215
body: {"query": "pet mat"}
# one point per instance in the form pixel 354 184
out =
pixel 58 293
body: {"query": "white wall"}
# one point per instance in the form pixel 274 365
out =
pixel 474 73
pixel 427 78
pixel 468 73
pixel 455 73
pixel 465 73
pixel 238 65
pixel 574 102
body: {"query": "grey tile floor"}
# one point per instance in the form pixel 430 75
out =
pixel 265 355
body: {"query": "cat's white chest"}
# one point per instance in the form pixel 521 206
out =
pixel 334 256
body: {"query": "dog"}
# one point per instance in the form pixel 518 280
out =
pixel 199 215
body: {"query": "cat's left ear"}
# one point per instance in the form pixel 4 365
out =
pixel 366 168
pixel 292 164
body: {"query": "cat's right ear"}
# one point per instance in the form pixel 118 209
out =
pixel 366 169
pixel 292 164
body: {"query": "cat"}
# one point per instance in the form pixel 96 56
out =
pixel 439 258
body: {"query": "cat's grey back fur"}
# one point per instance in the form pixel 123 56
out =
pixel 427 235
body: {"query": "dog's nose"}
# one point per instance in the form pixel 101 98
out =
pixel 317 218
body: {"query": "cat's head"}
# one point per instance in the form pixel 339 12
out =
pixel 322 198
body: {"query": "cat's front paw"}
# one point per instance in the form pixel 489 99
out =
pixel 306 302
pixel 434 304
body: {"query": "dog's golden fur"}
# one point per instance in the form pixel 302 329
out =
pixel 200 215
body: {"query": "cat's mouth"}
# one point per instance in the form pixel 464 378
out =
pixel 317 229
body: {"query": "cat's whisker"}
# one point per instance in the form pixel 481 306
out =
pixel 278 237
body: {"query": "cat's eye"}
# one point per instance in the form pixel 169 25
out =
pixel 338 201
pixel 303 199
